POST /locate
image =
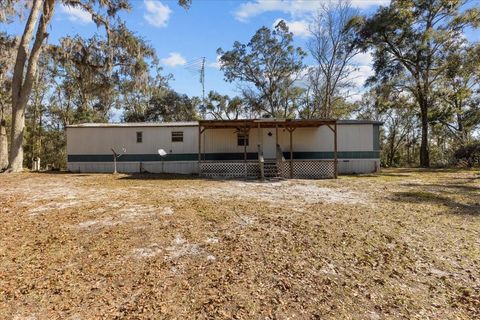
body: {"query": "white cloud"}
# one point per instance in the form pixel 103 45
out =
pixel 298 28
pixel 355 97
pixel 251 9
pixel 217 64
pixel 76 14
pixel 293 7
pixel 363 58
pixel 360 74
pixel 157 13
pixel 362 4
pixel 363 69
pixel 174 59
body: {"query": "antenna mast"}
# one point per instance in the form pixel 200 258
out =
pixel 198 66
pixel 202 80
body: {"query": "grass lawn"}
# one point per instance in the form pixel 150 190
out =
pixel 402 244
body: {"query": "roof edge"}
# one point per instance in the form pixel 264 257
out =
pixel 359 122
pixel 196 123
pixel 134 124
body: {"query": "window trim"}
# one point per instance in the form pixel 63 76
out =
pixel 139 134
pixel 245 137
pixel 177 136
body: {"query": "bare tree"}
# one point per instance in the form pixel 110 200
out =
pixel 333 51
pixel 22 81
pixel 30 49
pixel 7 47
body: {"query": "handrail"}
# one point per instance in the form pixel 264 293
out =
pixel 280 156
pixel 261 160
pixel 280 159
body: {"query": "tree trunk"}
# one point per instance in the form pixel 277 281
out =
pixel 461 130
pixel 34 133
pixel 391 151
pixel 3 142
pixel 409 142
pixel 424 152
pixel 22 84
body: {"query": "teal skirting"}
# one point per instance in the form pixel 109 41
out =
pixel 219 156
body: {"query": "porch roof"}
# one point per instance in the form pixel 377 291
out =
pixel 264 123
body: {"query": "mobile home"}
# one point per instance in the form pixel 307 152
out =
pixel 255 148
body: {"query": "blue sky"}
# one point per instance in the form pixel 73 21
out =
pixel 181 36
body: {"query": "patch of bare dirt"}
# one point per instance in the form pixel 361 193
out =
pixel 288 192
pixel 403 244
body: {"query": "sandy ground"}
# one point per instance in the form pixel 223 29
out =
pixel 397 245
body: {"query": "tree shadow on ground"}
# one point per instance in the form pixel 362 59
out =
pixel 158 176
pixel 388 174
pixel 428 170
pixel 375 175
pixel 426 197
pixel 404 172
pixel 176 176
pixel 49 171
pixel 453 186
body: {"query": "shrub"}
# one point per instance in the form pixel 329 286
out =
pixel 469 153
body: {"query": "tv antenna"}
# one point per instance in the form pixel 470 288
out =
pixel 162 153
pixel 115 156
pixel 197 66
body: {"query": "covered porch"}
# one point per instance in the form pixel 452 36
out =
pixel 267 157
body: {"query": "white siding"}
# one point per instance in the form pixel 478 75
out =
pixel 307 139
pixel 353 166
pixel 182 167
pixel 101 140
pixel 225 141
pixel 355 137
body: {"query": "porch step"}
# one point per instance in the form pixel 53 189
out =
pixel 270 170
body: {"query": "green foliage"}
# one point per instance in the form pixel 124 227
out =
pixel 425 88
pixel 82 79
pixel 411 40
pixel 222 107
pixel 167 106
pixel 172 106
pixel 136 96
pixel 470 153
pixel 269 65
pixel 397 112
pixel 458 109
pixel 94 75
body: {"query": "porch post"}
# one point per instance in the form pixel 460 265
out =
pixel 335 150
pixel 245 148
pixel 199 148
pixel 276 135
pixel 259 137
pixel 260 151
pixel 290 130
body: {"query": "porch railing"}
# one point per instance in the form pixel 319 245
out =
pixel 261 161
pixel 280 161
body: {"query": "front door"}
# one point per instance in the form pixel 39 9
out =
pixel 269 143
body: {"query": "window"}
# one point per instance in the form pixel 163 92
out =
pixel 242 139
pixel 177 136
pixel 139 137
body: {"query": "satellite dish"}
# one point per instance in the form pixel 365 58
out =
pixel 124 150
pixel 162 153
